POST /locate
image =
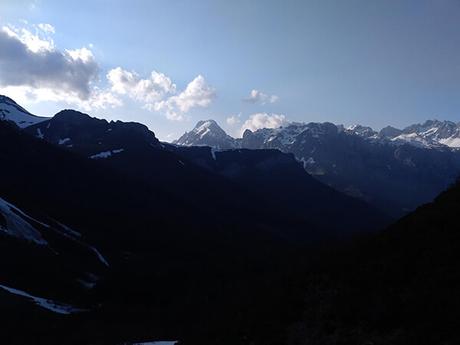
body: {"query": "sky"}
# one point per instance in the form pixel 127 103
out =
pixel 246 64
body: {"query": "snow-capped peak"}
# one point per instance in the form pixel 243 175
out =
pixel 11 111
pixel 207 133
pixel 363 131
pixel 207 127
pixel 431 133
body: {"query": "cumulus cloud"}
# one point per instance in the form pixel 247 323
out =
pixel 233 120
pixel 258 97
pixel 99 99
pixel 45 27
pixel 149 90
pixel 32 69
pixel 197 94
pixel 159 93
pixel 30 60
pixel 263 120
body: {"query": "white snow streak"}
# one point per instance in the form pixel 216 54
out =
pixel 48 304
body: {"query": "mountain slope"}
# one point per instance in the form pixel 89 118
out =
pixel 397 288
pixel 90 136
pixel 11 111
pixel 280 180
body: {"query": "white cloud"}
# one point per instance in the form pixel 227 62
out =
pixel 197 94
pixel 99 99
pixel 233 120
pixel 48 28
pixel 159 93
pixel 263 120
pixel 150 90
pixel 259 97
pixel 34 70
pixel 32 60
pixel 38 42
pixel 83 54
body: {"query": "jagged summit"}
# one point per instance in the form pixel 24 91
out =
pixel 363 131
pixel 430 134
pixel 207 133
pixel 390 132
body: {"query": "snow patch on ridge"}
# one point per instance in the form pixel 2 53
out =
pixel 55 307
pixel 106 154
pixel 18 225
pixel 155 343
pixel 10 111
pixel 39 134
pixel 63 141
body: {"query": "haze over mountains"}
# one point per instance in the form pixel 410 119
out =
pixel 111 236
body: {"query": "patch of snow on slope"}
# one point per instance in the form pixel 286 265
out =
pixel 413 139
pixel 203 129
pixel 206 131
pixel 63 141
pixel 89 281
pixel 451 142
pixel 213 153
pixel 99 256
pixel 430 131
pixel 106 154
pixel 17 224
pixel 10 111
pixel 39 134
pixel 156 343
pixel 56 307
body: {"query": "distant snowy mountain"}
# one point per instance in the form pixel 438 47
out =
pixel 396 170
pixel 11 111
pixel 207 133
pixel 430 134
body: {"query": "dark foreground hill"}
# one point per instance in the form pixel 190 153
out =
pixel 400 287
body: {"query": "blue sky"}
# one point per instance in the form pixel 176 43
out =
pixel 370 62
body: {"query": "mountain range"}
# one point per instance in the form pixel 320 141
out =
pixel 110 236
pixel 394 170
pixel 165 221
pixel 430 134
